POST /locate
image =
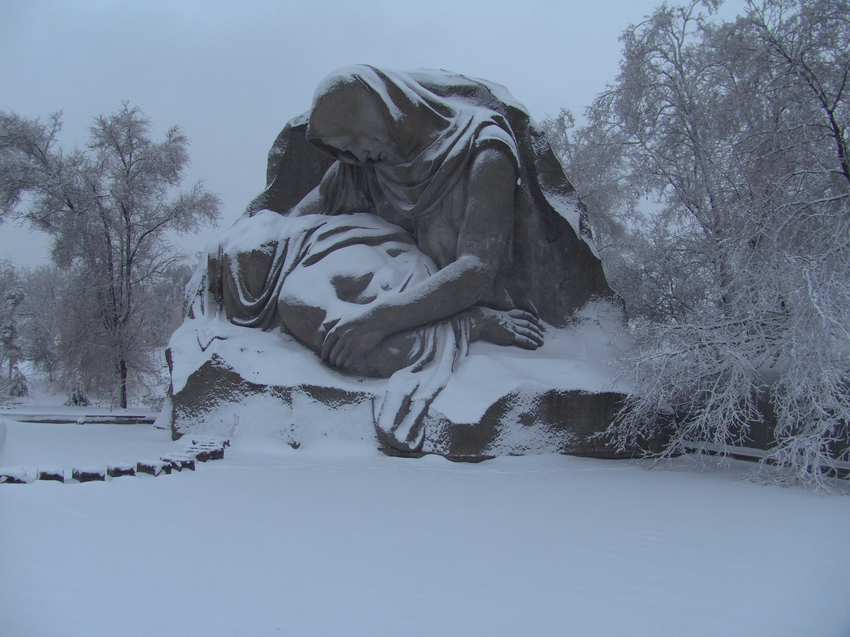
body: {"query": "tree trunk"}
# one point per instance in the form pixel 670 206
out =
pixel 122 379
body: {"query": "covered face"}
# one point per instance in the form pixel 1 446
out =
pixel 347 121
pixel 414 134
pixel 365 116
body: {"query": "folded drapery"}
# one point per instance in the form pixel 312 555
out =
pixel 311 270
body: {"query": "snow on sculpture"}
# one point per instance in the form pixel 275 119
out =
pixel 406 216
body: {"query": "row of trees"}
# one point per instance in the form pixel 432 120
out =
pixel 100 316
pixel 50 325
pixel 12 381
pixel 716 170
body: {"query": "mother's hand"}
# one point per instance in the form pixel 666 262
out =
pixel 352 338
pixel 514 327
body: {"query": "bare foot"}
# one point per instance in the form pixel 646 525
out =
pixel 514 327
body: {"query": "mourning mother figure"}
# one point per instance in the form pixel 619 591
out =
pixel 407 214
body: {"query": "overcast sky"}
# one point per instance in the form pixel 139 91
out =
pixel 232 73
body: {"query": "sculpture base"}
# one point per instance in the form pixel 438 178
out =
pixel 236 382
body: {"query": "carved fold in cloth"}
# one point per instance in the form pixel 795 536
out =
pixel 304 274
pixel 410 391
pixel 437 123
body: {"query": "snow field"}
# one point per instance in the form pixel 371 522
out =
pixel 341 540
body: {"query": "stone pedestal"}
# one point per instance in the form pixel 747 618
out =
pixel 235 382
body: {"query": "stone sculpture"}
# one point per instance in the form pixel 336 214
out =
pixel 406 215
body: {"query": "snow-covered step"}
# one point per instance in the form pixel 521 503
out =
pixel 13 475
pixel 153 467
pixel 204 449
pixel 119 470
pixel 201 450
pixel 180 461
pixel 88 474
pixel 93 419
pixel 51 472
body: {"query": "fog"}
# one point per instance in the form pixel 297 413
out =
pixel 232 75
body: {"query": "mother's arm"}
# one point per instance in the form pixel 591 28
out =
pixel 481 243
pixel 311 204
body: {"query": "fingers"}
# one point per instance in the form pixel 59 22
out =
pixel 525 336
pixel 345 346
pixel 526 343
pixel 331 339
pixel 526 325
pixel 527 328
pixel 339 353
pixel 334 347
pixel 511 327
pixel 522 315
pixel 528 332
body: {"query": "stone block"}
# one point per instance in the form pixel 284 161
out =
pixel 499 400
pixel 203 453
pixel 13 475
pixel 50 472
pixel 152 467
pixel 88 474
pixel 180 462
pixel 118 470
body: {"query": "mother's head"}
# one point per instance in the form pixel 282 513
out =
pixel 365 116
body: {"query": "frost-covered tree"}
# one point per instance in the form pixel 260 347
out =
pixel 107 208
pixel 41 314
pixel 739 284
pixel 12 380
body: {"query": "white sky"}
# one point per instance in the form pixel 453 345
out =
pixel 232 74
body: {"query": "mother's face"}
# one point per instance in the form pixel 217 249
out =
pixel 349 119
pixel 363 150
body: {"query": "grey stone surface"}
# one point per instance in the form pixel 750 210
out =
pixel 13 475
pixel 51 473
pixel 119 470
pixel 180 461
pixel 203 453
pixel 531 422
pixel 406 215
pixel 152 467
pixel 520 422
pixel 88 474
pixel 517 215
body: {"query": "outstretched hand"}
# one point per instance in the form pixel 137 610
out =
pixel 351 339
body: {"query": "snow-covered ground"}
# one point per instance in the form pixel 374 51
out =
pixel 336 541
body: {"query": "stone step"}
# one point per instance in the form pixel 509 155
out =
pixel 201 450
pixel 153 467
pixel 118 470
pixel 88 474
pixel 51 472
pixel 13 475
pixel 180 461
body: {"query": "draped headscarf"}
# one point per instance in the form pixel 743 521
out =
pixel 437 121
pixel 435 135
